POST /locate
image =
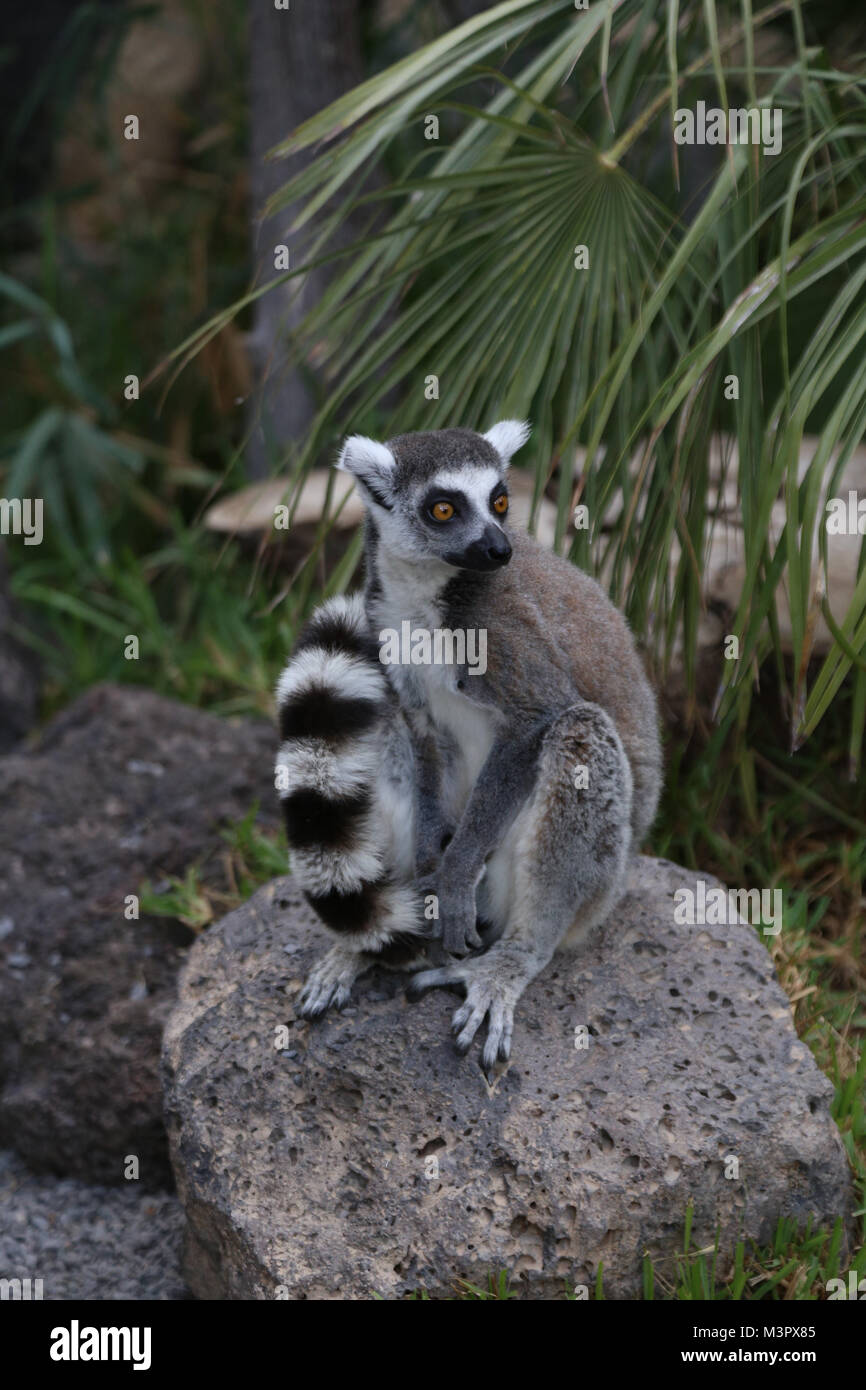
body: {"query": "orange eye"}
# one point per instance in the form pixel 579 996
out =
pixel 442 511
pixel 500 504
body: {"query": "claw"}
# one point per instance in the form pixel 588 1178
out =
pixel 312 1006
pixel 329 984
pixel 485 998
pixel 465 1023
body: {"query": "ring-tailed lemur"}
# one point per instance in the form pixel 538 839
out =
pixel 514 794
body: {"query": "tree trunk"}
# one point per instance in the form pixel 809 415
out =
pixel 301 59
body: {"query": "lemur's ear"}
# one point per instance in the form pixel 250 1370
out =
pixel 507 437
pixel 372 464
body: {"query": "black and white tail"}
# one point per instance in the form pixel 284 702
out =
pixel 348 812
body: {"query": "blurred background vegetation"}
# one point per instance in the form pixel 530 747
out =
pixel 454 257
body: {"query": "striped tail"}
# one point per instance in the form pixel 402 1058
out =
pixel 346 820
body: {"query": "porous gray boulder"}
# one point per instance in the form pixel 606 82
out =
pixel 123 786
pixel 360 1156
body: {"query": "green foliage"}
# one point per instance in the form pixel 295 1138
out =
pixel 253 857
pixel 498 1289
pixel 206 634
pixel 795 1266
pixel 105 298
pixel 183 900
pixel 258 856
pixel 66 453
pixel 468 273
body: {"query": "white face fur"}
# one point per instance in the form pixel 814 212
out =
pixel 439 497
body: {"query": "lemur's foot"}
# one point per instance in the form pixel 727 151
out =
pixel 487 996
pixel 329 983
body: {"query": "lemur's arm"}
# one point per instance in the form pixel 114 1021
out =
pixel 504 783
pixel 431 826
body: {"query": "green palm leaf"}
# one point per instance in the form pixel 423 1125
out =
pixel 468 276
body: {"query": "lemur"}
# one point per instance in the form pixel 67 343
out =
pixel 509 800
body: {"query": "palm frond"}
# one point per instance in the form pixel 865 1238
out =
pixel 470 296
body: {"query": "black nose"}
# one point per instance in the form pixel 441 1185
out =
pixel 499 551
pixel 488 552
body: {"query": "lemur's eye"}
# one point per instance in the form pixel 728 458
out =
pixel 442 511
pixel 500 503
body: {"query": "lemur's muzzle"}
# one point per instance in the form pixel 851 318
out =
pixel 491 550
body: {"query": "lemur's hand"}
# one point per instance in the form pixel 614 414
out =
pixel 456 920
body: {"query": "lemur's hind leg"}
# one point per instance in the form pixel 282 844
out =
pixel 557 874
pixel 346 778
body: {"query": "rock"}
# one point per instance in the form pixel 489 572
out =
pixel 72 1240
pixel 19 673
pixel 362 1156
pixel 250 512
pixel 124 786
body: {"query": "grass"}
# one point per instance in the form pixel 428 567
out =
pixel 252 858
pixel 795 1266
pixel 200 612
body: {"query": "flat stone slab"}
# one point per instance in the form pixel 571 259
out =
pixel 360 1155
